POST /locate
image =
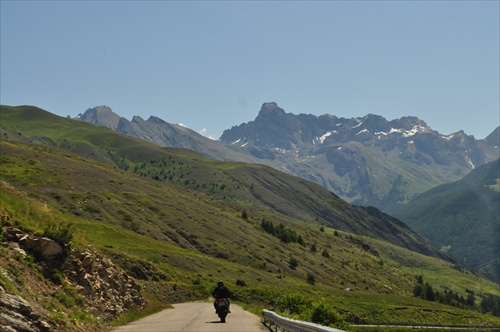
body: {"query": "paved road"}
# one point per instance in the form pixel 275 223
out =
pixel 194 317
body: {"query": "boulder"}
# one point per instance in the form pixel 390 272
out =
pixel 45 247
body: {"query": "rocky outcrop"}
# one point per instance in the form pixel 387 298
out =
pixel 16 314
pixel 42 247
pixel 107 290
pixel 105 286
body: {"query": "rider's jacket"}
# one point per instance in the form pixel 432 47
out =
pixel 221 292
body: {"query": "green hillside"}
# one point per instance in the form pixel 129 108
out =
pixel 462 218
pixel 178 222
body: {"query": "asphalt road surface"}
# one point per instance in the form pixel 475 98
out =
pixel 194 317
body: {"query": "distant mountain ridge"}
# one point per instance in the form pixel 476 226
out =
pixel 273 128
pixel 160 132
pixel 367 161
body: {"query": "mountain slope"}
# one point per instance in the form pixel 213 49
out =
pixel 240 184
pixel 462 218
pixel 177 243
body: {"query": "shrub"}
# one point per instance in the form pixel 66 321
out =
pixel 311 279
pixel 240 283
pixel 293 263
pixel 60 231
pixel 293 304
pixel 57 277
pixel 324 315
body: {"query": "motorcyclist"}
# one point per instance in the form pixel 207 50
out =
pixel 222 292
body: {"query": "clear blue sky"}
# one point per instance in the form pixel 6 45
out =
pixel 211 65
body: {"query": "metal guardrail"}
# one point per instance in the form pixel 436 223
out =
pixel 292 325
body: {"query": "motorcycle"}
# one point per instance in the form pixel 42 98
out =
pixel 222 309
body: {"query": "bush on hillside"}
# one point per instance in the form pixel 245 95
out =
pixel 327 316
pixel 293 304
pixel 60 231
pixel 293 263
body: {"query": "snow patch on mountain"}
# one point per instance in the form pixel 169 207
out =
pixel 449 137
pixel 469 160
pixel 322 138
pixel 359 121
pixel 363 131
pixel 405 133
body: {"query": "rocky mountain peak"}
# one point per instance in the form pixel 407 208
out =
pixel 372 123
pixel 100 115
pixel 103 109
pixel 270 111
pixel 409 122
pixel 270 106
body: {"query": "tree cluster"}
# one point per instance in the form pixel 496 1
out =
pixel 282 232
pixel 489 304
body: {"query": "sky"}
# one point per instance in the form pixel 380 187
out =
pixel 210 65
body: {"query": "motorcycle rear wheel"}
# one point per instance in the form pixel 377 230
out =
pixel 222 317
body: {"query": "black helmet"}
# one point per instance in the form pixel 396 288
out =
pixel 220 283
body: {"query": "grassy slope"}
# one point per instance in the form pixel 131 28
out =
pixel 466 210
pixel 188 240
pixel 186 266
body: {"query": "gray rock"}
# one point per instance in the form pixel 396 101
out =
pixel 47 248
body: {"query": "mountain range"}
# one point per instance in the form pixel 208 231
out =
pixel 175 222
pixel 367 161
